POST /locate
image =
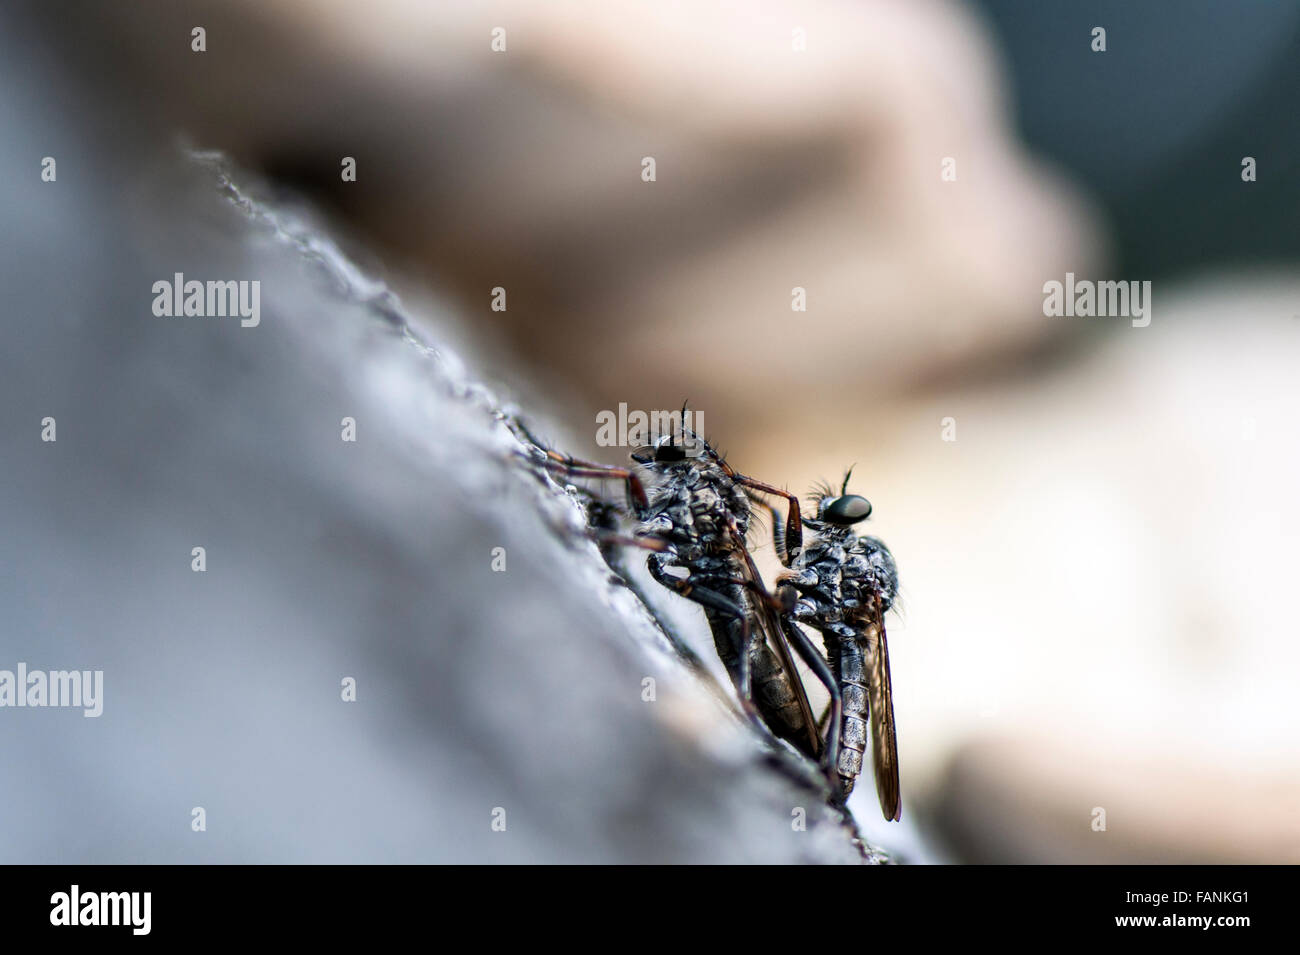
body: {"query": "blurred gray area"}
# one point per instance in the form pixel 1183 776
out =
pixel 476 690
pixel 1156 126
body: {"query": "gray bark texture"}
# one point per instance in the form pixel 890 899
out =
pixel 481 695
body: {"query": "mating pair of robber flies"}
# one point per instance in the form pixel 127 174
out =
pixel 692 512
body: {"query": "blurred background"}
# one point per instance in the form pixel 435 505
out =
pixel 1095 523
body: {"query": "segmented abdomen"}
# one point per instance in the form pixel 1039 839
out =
pixel 847 663
pixel 776 699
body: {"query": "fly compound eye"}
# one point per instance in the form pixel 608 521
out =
pixel 669 452
pixel 847 509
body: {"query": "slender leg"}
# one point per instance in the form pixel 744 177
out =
pixel 606 472
pixel 604 538
pixel 821 720
pixel 817 663
pixel 793 542
pixel 712 579
pixel 567 464
pixel 689 588
pixel 794 525
pixel 778 536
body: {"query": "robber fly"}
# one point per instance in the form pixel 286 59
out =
pixel 841 585
pixel 692 514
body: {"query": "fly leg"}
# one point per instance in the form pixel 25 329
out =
pixel 570 466
pixel 817 663
pixel 775 681
pixel 847 712
pixel 789 548
pixel 690 587
pixel 778 536
pixel 789 544
pixel 784 602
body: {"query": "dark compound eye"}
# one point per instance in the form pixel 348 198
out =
pixel 669 452
pixel 847 509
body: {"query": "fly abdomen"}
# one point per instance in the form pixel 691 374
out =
pixel 772 693
pixel 776 698
pixel 847 661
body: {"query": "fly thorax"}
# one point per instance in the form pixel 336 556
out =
pixel 875 571
pixel 856 566
pixel 706 499
pixel 827 611
pixel 679 511
pixel 808 577
pixel 660 525
pixel 829 572
pixel 739 506
pixel 709 514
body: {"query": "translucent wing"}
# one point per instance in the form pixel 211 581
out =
pixel 884 746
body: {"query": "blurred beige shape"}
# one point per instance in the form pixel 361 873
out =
pixel 1035 798
pixel 776 168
